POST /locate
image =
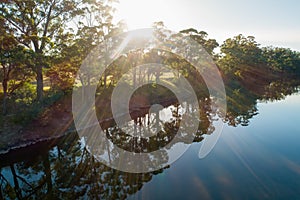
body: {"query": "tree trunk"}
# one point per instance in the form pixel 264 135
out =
pixel 104 79
pixel 134 76
pixel 47 169
pixel 16 183
pixel 157 77
pixel 4 85
pixel 107 146
pixel 40 84
pixel 1 196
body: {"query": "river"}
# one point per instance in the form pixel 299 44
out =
pixel 255 158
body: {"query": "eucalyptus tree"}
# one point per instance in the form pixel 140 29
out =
pixel 282 59
pixel 13 58
pixel 240 51
pixel 201 37
pixel 42 26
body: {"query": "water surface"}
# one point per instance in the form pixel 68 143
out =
pixel 259 160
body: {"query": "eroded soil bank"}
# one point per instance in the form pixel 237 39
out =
pixel 57 121
pixel 54 122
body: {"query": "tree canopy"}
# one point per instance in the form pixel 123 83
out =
pixel 43 44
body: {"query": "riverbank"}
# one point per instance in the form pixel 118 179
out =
pixel 56 122
pixel 53 123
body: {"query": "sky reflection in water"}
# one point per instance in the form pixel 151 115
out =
pixel 258 161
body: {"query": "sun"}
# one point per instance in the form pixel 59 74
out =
pixel 141 13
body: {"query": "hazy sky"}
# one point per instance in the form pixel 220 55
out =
pixel 272 22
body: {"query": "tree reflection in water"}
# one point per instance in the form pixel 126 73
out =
pixel 65 169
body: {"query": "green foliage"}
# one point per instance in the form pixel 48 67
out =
pixel 34 24
pixel 238 51
pixel 41 26
pixel 25 95
pixel 13 62
pixel 34 35
pixel 201 37
pixel 33 110
pixel 62 76
pixel 282 59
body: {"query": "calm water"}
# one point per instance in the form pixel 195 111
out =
pixel 257 161
pixel 260 161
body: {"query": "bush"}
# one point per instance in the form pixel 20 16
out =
pixel 24 95
pixel 32 111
